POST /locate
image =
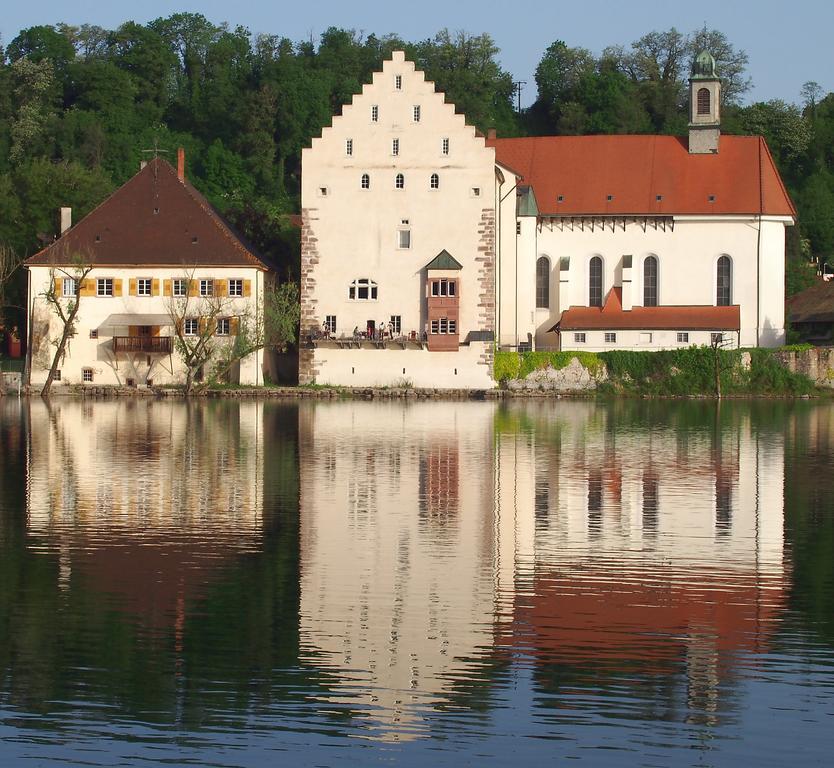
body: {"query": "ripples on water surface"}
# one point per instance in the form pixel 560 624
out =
pixel 245 584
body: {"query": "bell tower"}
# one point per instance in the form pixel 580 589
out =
pixel 704 106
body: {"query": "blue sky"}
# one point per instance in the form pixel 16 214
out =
pixel 788 43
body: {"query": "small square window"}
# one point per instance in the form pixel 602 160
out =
pixel 104 286
pixel 395 146
pixel 403 238
pixel 322 192
pixel 235 287
pixel 416 113
pixel 560 198
pixel 716 338
pixel 94 333
pixel 398 82
pixel 349 147
pixel 609 198
pixel 69 287
pixel 645 338
pixel 444 146
pixel 610 338
pixel 710 198
pixel 87 375
pixel 57 376
pixel 194 240
pixel 143 286
pixel 224 326
pixel 658 198
pixel 476 191
pixel 207 287
pixel 579 338
pixel 683 337
pixel 179 287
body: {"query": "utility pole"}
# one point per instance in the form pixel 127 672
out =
pixel 517 85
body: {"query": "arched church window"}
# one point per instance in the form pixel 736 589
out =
pixel 723 293
pixel 542 282
pixel 703 101
pixel 595 282
pixel 650 281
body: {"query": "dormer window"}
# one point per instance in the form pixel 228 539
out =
pixel 703 101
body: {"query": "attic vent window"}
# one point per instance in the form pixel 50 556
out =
pixel 560 198
pixel 658 198
pixel 609 198
pixel 98 238
pixel 194 239
pixel 711 198
pixel 155 211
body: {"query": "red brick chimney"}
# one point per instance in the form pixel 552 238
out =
pixel 181 164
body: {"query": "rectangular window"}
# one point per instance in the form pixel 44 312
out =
pixel 398 82
pixel 450 288
pixel 224 326
pixel 395 146
pixel 579 338
pixel 611 338
pixel 416 113
pixel 403 238
pixel 179 287
pixel 476 191
pixel 104 286
pixel 375 113
pixel 444 325
pixel 396 324
pixel 57 376
pixel 683 338
pixel 349 147
pixel 70 286
pixel 143 286
pixel 443 287
pixel 444 146
pixel 87 375
pixel 716 338
pixel 518 227
pixel 207 287
pixel 434 326
pixel 453 326
pixel 94 333
pixel 330 323
pixel 645 338
pixel 191 326
pixel 235 287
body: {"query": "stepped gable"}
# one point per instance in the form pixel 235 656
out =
pixel 154 219
pixel 637 170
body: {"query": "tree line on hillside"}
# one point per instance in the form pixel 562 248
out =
pixel 80 107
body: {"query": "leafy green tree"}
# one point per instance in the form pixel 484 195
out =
pixel 32 90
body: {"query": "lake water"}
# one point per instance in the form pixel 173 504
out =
pixel 247 584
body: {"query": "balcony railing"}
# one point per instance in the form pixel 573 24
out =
pixel 160 345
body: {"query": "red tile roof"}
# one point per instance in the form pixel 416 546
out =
pixel 153 219
pixel 635 170
pixel 613 317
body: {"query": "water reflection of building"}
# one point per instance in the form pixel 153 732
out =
pixel 650 543
pixel 145 499
pixel 397 553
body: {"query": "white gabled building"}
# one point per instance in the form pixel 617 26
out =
pixel 411 219
pixel 398 229
pixel 160 255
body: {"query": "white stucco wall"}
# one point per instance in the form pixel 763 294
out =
pixel 97 354
pixel 687 256
pixel 352 233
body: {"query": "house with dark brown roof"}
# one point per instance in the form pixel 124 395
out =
pixel 811 314
pixel 152 264
pixel 642 242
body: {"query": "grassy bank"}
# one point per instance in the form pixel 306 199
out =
pixel 677 372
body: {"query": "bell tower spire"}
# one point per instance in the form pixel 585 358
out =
pixel 704 106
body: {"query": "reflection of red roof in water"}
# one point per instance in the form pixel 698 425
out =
pixel 623 617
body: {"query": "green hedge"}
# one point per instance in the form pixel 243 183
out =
pixel 687 371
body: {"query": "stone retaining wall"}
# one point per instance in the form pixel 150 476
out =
pixel 817 364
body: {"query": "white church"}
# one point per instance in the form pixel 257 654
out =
pixel 425 244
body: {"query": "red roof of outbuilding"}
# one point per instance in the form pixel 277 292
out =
pixel 153 219
pixel 635 170
pixel 613 317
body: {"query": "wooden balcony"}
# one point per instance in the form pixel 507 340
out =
pixel 152 345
